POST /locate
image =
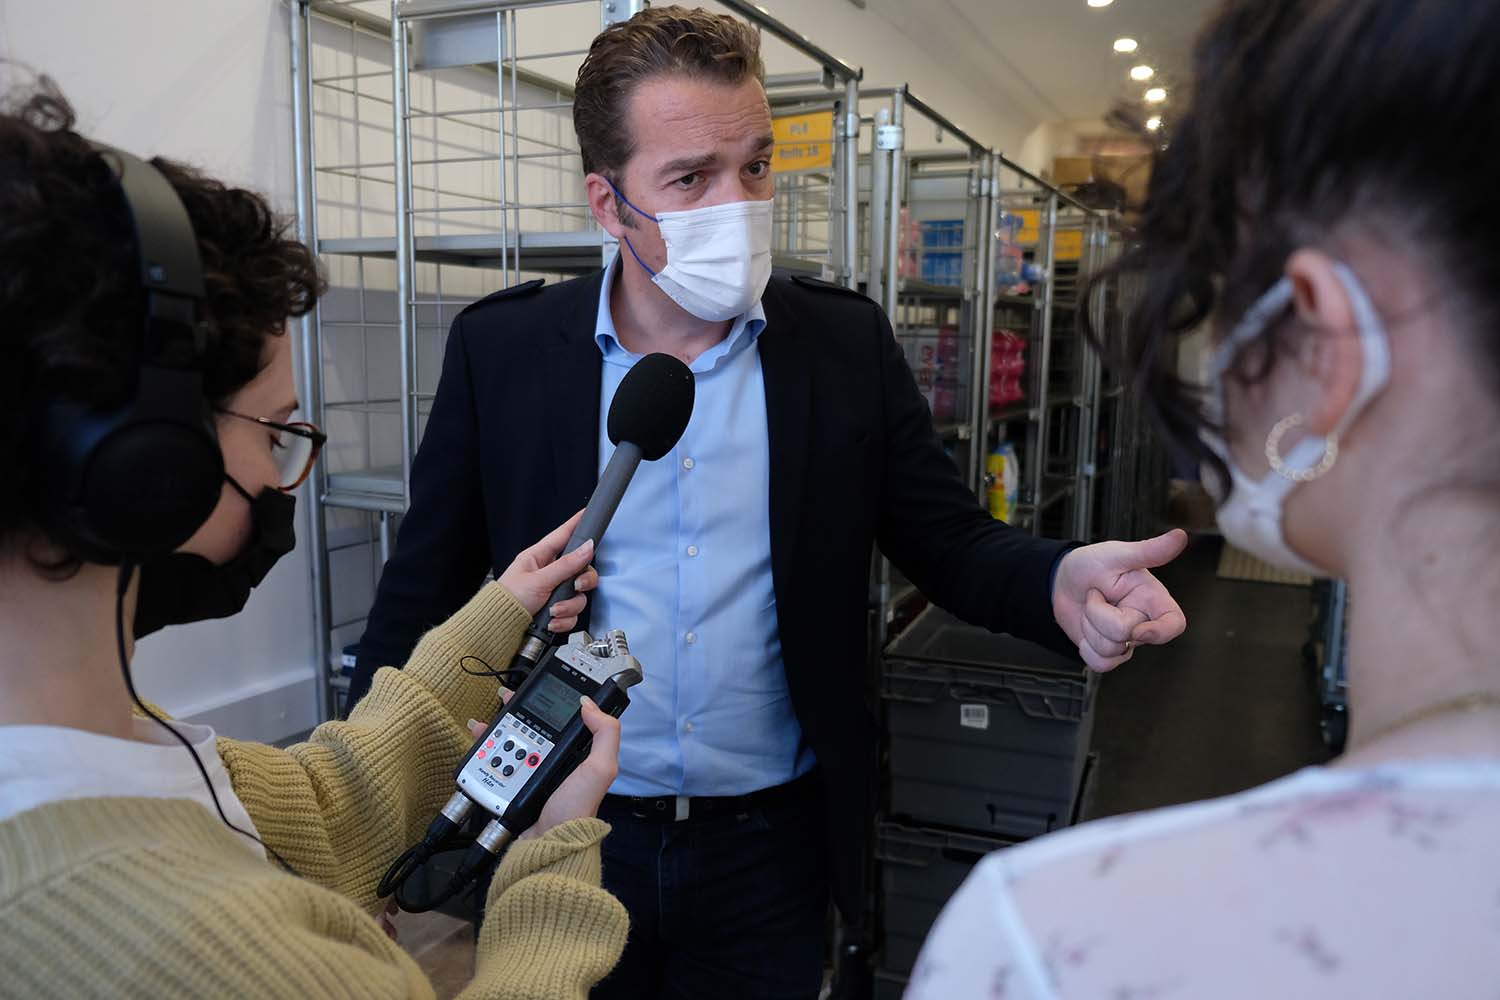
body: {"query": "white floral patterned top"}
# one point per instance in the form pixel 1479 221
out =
pixel 1329 883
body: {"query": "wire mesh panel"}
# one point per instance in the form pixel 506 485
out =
pixel 486 191
pixel 1022 397
pixel 926 254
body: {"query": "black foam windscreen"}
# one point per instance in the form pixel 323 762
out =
pixel 652 406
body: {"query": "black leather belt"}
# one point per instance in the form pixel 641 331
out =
pixel 680 808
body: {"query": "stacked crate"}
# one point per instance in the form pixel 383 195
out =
pixel 988 739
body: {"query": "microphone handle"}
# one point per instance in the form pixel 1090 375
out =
pixel 596 517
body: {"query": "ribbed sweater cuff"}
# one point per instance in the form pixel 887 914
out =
pixel 486 628
pixel 569 849
pixel 548 922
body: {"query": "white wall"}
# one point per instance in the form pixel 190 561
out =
pixel 207 81
pixel 1053 139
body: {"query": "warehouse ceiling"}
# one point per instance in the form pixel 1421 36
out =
pixel 1053 57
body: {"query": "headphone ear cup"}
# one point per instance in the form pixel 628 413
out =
pixel 137 481
pixel 150 487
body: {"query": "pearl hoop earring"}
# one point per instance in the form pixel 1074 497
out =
pixel 1273 453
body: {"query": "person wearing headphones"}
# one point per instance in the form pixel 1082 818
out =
pixel 1350 426
pixel 146 397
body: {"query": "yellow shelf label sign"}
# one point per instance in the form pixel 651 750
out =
pixel 803 142
pixel 1069 244
pixel 1031 225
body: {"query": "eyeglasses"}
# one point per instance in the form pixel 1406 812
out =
pixel 295 447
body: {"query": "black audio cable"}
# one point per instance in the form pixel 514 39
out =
pixel 127 569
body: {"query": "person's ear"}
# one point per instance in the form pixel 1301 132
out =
pixel 603 204
pixel 1330 355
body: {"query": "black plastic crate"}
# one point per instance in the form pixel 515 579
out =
pixel 888 985
pixel 920 870
pixel 987 732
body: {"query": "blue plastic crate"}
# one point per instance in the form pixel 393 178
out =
pixel 939 233
pixel 942 267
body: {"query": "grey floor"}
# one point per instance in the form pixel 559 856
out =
pixel 1228 706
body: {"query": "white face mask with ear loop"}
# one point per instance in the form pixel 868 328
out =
pixel 1252 515
pixel 718 257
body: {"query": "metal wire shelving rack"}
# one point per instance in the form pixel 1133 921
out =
pixel 435 164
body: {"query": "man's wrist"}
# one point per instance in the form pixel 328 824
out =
pixel 1057 565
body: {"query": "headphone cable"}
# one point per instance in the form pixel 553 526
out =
pixel 127 568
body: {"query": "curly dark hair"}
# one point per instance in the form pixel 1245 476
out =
pixel 70 291
pixel 1310 121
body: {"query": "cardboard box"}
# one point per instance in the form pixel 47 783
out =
pixel 1070 171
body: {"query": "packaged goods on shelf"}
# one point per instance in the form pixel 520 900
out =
pixel 909 253
pixel 1007 369
pixel 933 354
pixel 942 251
pixel 1014 275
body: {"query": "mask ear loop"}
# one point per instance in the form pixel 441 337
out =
pixel 626 239
pixel 1375 375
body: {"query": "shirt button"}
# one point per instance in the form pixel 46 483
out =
pixel 687 728
pixel 692 550
pixel 691 638
pixel 688 463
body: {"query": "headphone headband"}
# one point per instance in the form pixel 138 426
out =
pixel 138 480
pixel 171 272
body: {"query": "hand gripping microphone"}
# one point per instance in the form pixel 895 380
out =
pixel 650 411
pixel 539 738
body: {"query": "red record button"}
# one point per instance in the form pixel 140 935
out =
pixel 480 755
pixel 489 744
pixel 533 760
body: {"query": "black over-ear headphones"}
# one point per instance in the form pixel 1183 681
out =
pixel 138 480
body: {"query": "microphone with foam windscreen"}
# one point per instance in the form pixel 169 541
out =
pixel 539 737
pixel 650 411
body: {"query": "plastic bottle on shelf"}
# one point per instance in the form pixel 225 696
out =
pixel 994 467
pixel 1002 482
pixel 1014 274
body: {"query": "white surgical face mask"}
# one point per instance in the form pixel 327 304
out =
pixel 1252 512
pixel 718 257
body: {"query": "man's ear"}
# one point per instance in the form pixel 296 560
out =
pixel 1331 355
pixel 604 206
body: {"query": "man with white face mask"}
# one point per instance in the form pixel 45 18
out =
pixel 737 564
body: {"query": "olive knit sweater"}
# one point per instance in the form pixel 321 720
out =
pixel 134 897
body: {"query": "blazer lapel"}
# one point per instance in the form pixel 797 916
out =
pixel 574 377
pixel 788 383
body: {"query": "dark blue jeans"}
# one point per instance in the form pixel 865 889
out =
pixel 721 907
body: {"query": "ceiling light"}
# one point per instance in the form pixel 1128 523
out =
pixel 1125 44
pixel 1142 72
pixel 1152 124
pixel 1100 3
pixel 1156 95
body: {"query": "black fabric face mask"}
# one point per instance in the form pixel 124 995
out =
pixel 180 587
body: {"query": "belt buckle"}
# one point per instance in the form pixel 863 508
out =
pixel 683 808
